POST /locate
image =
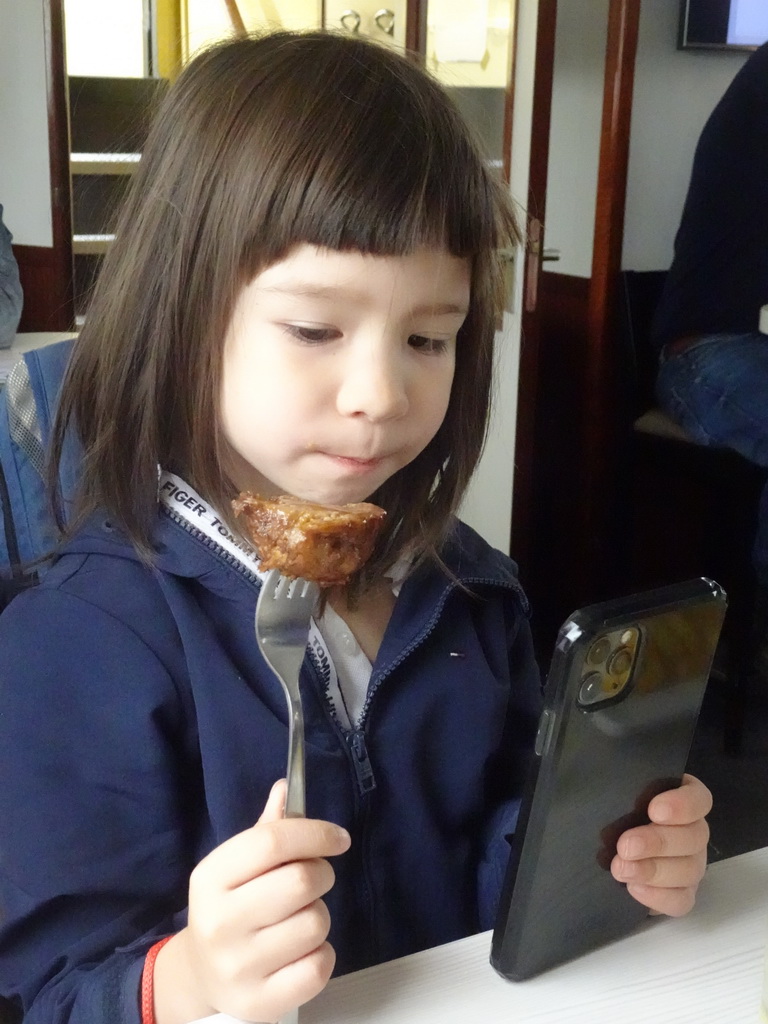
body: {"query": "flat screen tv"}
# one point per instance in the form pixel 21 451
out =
pixel 723 24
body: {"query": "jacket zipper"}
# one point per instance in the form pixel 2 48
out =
pixel 353 738
pixel 230 560
pixel 361 761
pixel 358 750
pixel 353 743
pixel 430 627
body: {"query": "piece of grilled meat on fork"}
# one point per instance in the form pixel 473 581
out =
pixel 322 543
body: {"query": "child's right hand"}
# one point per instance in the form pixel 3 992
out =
pixel 255 944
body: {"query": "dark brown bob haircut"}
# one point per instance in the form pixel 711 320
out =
pixel 263 144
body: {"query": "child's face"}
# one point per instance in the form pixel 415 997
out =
pixel 338 369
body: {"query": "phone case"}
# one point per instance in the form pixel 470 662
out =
pixel 620 706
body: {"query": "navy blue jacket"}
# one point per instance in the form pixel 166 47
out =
pixel 140 728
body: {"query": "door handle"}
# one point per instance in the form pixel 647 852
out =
pixel 533 264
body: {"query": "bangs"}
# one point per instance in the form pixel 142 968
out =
pixel 381 180
pixel 346 146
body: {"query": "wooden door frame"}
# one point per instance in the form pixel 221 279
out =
pixel 416 26
pixel 47 274
pixel 567 435
pixel 523 504
pixel 602 413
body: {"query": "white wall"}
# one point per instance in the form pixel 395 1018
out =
pixel 488 504
pixel 675 91
pixel 25 183
pixel 574 137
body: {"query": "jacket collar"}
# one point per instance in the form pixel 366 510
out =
pixel 187 552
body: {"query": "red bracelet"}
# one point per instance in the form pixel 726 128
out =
pixel 148 984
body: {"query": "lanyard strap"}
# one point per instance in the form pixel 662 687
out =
pixel 183 501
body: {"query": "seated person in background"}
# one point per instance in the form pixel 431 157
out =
pixel 713 375
pixel 10 288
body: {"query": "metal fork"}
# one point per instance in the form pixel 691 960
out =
pixel 283 611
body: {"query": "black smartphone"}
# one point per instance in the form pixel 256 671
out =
pixel 621 701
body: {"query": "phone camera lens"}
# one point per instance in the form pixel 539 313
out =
pixel 598 652
pixel 591 689
pixel 620 662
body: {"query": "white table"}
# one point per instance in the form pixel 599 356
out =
pixel 705 968
pixel 28 340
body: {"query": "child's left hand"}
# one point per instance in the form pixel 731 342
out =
pixel 663 863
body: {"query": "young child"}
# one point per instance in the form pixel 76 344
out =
pixel 301 299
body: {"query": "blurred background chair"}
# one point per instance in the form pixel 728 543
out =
pixel 691 509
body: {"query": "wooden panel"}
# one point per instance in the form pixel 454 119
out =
pixel 87 267
pixel 96 200
pixel 415 27
pixel 524 529
pixel 552 578
pixel 61 306
pixel 112 115
pixel 48 293
pixel 691 511
pixel 601 412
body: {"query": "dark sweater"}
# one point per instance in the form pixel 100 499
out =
pixel 719 276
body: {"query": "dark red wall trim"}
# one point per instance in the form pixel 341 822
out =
pixel 47 275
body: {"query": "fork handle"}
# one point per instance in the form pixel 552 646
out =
pixel 295 801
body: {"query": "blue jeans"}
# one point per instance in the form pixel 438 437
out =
pixel 717 390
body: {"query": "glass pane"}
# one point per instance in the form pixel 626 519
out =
pixel 105 38
pixel 469 49
pixel 206 21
